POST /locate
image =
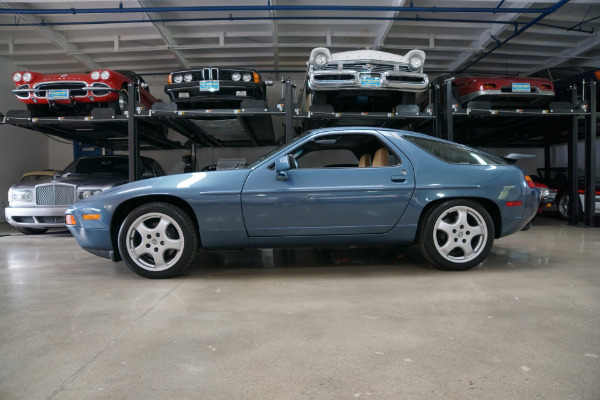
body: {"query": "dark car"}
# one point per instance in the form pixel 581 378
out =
pixel 556 178
pixel 353 186
pixel 36 206
pixel 77 93
pixel 215 87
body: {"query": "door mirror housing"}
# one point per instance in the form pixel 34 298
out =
pixel 283 164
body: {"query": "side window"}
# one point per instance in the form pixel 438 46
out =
pixel 345 151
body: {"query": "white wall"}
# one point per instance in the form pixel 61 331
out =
pixel 21 150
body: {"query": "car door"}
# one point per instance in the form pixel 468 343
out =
pixel 336 199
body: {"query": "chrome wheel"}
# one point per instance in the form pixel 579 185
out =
pixel 456 234
pixel 460 234
pixel 158 240
pixel 563 205
pixel 155 241
pixel 123 100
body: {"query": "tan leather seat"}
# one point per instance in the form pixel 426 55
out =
pixel 365 160
pixel 381 158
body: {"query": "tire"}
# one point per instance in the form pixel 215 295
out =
pixel 456 235
pixel 562 205
pixel 120 105
pixel 158 240
pixel 31 231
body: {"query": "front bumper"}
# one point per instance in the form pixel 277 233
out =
pixel 188 92
pixel 36 217
pixel 350 79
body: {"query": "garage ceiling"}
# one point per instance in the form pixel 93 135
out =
pixel 156 37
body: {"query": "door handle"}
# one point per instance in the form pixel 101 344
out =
pixel 398 178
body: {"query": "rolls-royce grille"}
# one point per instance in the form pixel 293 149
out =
pixel 54 195
pixel 75 88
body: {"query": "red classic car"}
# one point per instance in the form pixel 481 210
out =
pixel 503 91
pixel 78 93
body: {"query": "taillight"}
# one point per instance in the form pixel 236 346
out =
pixel 529 181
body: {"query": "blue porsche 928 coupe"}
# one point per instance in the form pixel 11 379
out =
pixel 331 187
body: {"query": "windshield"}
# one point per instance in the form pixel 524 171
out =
pixel 87 166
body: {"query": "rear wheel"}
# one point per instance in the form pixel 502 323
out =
pixel 456 234
pixel 158 240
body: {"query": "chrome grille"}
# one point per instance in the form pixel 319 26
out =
pixel 366 66
pixel 54 195
pixel 210 74
pixel 75 88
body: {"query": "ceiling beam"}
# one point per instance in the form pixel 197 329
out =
pixel 576 51
pixel 484 39
pixel 167 37
pixel 57 38
pixel 386 26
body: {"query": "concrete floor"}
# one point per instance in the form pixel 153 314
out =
pixel 282 325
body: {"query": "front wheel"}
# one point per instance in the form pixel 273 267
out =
pixel 456 235
pixel 158 240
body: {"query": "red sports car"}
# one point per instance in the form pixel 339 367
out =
pixel 78 93
pixel 504 91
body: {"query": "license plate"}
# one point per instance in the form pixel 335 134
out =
pixel 241 93
pixel 209 86
pixel 521 87
pixel 370 81
pixel 58 94
pixel 183 94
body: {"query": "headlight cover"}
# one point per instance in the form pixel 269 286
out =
pixel 415 63
pixel 187 77
pixel 320 61
pixel 21 196
pixel 27 76
pixel 105 75
pixel 177 78
pixel 17 76
pixel 84 194
pixel 236 76
pixel 95 75
pixel 247 77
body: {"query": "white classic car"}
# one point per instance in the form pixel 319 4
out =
pixel 364 80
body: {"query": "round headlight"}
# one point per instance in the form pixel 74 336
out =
pixel 247 77
pixel 320 61
pixel 95 75
pixel 187 77
pixel 415 63
pixel 27 76
pixel 104 74
pixel 177 78
pixel 17 76
pixel 236 76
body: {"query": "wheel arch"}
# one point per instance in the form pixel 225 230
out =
pixel 489 205
pixel 127 206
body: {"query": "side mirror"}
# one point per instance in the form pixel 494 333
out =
pixel 283 164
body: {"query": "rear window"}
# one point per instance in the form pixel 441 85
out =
pixel 454 153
